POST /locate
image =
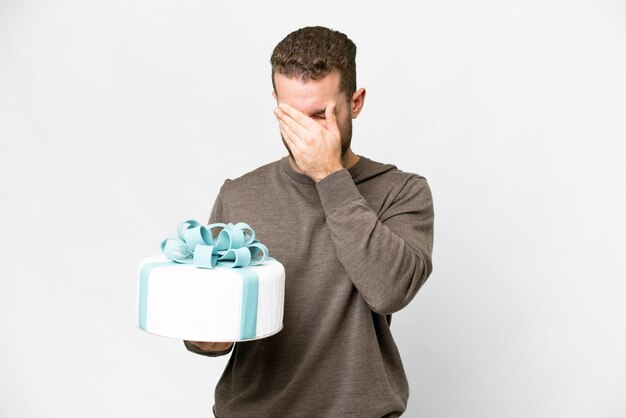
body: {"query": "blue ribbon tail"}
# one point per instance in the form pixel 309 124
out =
pixel 143 289
pixel 249 303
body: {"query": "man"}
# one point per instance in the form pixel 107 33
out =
pixel 355 237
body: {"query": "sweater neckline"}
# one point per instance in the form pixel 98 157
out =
pixel 303 178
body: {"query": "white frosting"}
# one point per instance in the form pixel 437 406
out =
pixel 197 304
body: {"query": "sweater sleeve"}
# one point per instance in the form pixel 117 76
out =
pixel 217 215
pixel 387 259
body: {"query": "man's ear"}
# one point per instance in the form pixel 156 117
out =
pixel 358 100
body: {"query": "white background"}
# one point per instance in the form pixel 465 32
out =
pixel 119 119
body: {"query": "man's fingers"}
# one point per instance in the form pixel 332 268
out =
pixel 296 127
pixel 331 117
pixel 298 116
pixel 287 136
pixel 292 137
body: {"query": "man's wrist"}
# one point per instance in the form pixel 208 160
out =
pixel 336 190
pixel 327 172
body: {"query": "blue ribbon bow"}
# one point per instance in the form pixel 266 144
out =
pixel 235 245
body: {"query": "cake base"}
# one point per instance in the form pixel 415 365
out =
pixel 260 337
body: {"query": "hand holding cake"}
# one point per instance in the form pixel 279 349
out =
pixel 209 346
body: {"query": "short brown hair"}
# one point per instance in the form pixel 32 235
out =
pixel 313 52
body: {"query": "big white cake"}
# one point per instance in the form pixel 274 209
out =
pixel 214 301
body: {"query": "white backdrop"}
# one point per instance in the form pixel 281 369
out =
pixel 119 119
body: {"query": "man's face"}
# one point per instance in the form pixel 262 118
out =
pixel 312 97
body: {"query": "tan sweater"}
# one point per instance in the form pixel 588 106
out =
pixel 356 248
